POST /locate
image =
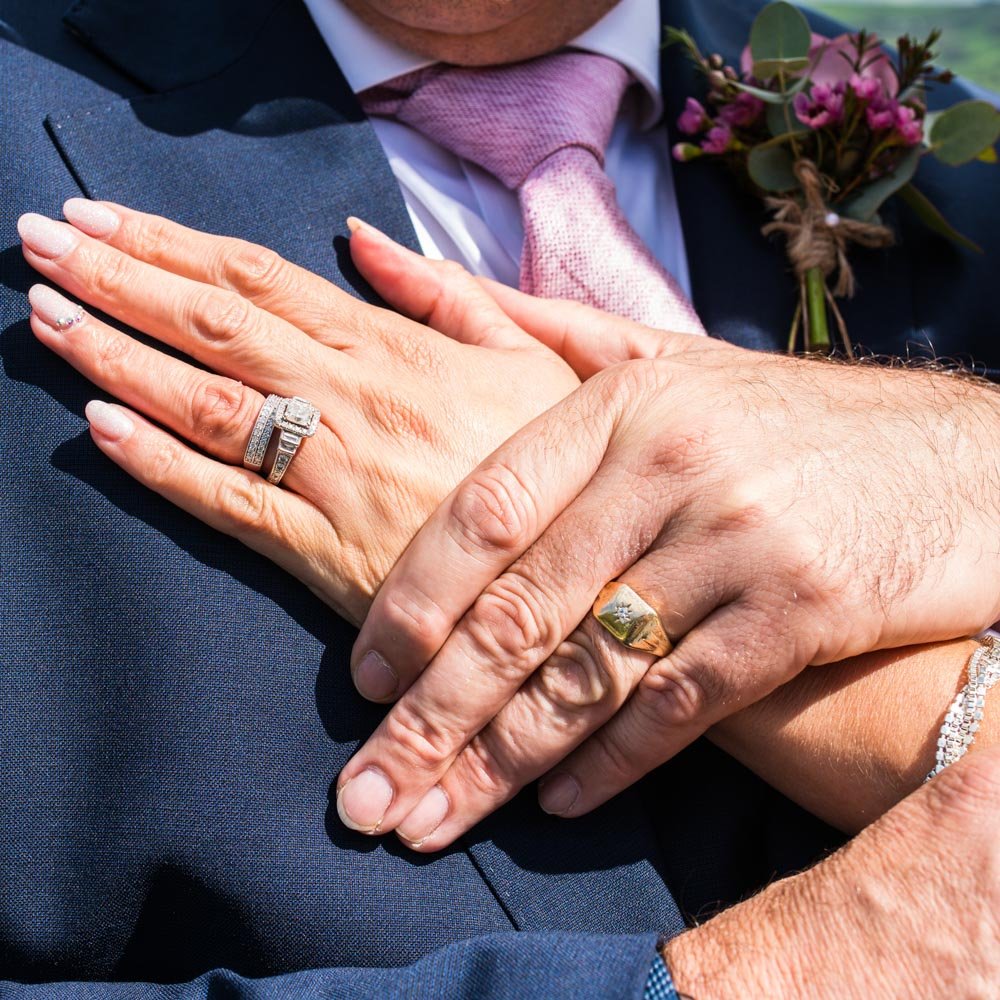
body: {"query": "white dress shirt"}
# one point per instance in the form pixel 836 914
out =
pixel 463 213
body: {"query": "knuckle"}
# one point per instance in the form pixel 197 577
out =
pixel 617 763
pixel 150 239
pixel 484 769
pixel 221 317
pixel 492 512
pixel 109 272
pixel 575 676
pixel 221 409
pixel 247 503
pixel 408 613
pixel 162 460
pixel 416 741
pixel 112 354
pixel 970 790
pixel 671 696
pixel 249 267
pixel 509 624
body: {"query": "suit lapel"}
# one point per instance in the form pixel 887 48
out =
pixel 741 282
pixel 272 148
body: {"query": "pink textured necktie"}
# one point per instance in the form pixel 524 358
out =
pixel 541 127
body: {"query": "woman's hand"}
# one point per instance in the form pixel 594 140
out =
pixel 777 512
pixel 406 412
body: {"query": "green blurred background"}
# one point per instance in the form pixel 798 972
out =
pixel 970 44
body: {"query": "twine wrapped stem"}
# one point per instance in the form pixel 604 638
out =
pixel 817 243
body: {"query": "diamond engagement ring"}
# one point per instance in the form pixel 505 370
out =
pixel 293 419
pixel 633 622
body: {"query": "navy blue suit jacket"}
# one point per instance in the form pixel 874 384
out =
pixel 174 710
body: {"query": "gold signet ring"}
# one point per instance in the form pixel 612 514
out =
pixel 630 619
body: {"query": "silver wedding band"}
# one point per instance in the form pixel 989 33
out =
pixel 294 419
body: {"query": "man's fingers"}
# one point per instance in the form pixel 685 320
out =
pixel 441 294
pixel 576 690
pixel 722 665
pixel 280 525
pixel 476 533
pixel 257 273
pixel 588 339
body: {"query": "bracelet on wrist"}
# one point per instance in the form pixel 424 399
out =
pixel 961 723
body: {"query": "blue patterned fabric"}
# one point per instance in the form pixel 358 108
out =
pixel 174 710
pixel 659 985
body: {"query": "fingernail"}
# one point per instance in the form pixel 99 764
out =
pixel 428 814
pixel 53 308
pixel 46 237
pixel 374 678
pixel 558 794
pixel 355 224
pixel 108 420
pixel 91 217
pixel 363 801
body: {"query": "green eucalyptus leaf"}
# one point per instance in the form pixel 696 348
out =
pixel 765 69
pixel 781 120
pixel 780 36
pixel 771 168
pixel 964 132
pixel 931 217
pixel 771 96
pixel 869 200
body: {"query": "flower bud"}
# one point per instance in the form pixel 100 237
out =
pixel 685 151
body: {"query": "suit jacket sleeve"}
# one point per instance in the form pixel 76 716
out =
pixel 513 966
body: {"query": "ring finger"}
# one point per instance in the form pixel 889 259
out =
pixel 211 411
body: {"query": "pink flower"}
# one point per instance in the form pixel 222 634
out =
pixel 693 118
pixel 910 129
pixel 881 114
pixel 867 88
pixel 823 106
pixel 832 61
pixel 718 139
pixel 745 110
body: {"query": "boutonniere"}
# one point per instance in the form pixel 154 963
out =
pixel 825 130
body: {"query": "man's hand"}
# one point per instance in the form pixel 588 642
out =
pixel 777 511
pixel 910 908
pixel 406 412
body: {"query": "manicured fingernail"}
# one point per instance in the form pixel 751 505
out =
pixel 46 237
pixel 91 217
pixel 558 794
pixel 53 308
pixel 428 814
pixel 108 420
pixel 374 678
pixel 363 801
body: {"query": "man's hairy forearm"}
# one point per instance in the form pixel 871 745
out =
pixel 848 740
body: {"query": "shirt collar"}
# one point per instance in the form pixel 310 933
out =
pixel 629 33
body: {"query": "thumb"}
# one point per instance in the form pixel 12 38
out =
pixel 440 294
pixel 588 339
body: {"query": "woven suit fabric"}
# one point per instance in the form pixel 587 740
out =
pixel 541 127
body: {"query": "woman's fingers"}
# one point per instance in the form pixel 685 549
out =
pixel 481 529
pixel 440 294
pixel 257 273
pixel 211 411
pixel 588 339
pixel 217 327
pixel 280 525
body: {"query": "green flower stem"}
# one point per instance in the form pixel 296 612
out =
pixel 819 332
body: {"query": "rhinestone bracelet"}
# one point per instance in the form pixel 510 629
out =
pixel 966 712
